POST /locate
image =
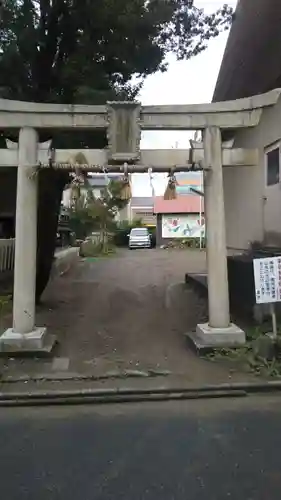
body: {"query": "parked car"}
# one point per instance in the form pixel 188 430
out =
pixel 139 237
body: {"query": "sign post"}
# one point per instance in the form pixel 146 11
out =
pixel 267 274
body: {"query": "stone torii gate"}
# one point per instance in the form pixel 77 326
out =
pixel 124 122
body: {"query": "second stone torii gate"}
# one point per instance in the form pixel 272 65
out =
pixel 124 122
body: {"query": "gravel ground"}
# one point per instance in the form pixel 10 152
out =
pixel 128 311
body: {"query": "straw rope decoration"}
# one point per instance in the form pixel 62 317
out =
pixel 126 191
pixel 78 180
pixel 170 192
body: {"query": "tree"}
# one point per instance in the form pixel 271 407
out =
pixel 66 50
pixel 87 51
pixel 88 214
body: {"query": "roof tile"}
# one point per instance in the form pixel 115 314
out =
pixel 189 203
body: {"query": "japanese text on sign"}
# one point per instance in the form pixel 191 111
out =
pixel 267 274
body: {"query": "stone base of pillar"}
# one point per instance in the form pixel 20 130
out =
pixel 206 337
pixel 33 343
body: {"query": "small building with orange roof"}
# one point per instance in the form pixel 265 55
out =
pixel 179 219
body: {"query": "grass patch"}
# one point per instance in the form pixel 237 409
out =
pixel 256 331
pixel 187 243
pixel 6 304
pixel 260 355
pixel 244 359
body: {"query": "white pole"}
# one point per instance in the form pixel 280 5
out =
pixel 274 322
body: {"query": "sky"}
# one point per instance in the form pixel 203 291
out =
pixel 185 82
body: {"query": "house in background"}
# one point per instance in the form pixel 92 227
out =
pixel 179 218
pixel 97 183
pixel 141 208
pixel 138 207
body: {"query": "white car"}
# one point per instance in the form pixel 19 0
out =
pixel 139 237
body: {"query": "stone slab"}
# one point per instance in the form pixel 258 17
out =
pixel 205 337
pixel 60 364
pixel 35 342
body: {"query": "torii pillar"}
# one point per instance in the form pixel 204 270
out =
pixel 24 336
pixel 219 331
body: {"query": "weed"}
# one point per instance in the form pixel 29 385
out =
pixel 5 303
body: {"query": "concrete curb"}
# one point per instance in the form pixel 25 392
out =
pixel 68 376
pixel 130 395
pixel 115 399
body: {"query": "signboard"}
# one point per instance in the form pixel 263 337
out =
pixel 183 226
pixel 267 274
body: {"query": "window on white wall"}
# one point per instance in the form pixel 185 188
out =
pixel 273 166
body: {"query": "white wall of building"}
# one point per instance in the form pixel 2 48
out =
pixel 253 209
pixel 66 198
pixel 66 201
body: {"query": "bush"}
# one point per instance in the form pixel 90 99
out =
pixel 95 249
pixel 120 237
pixel 187 243
pixel 5 306
pixel 152 231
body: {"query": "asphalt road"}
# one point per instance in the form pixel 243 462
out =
pixel 208 450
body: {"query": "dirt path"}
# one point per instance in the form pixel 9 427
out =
pixel 129 311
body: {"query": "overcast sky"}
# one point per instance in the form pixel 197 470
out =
pixel 185 82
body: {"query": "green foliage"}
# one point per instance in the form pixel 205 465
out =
pixel 187 243
pixel 80 222
pixel 89 214
pixel 96 249
pixel 261 355
pixel 104 209
pixel 87 51
pixel 112 196
pixel 127 225
pixel 5 303
pixel 120 235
